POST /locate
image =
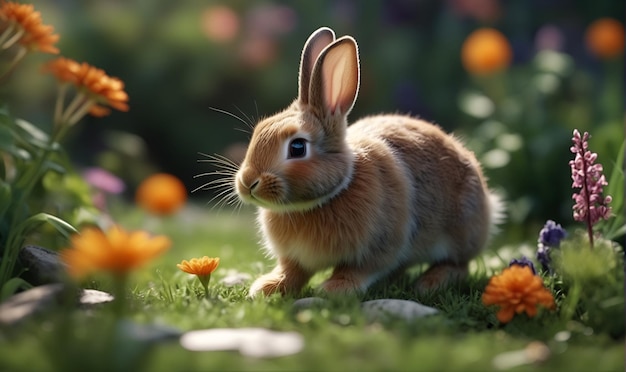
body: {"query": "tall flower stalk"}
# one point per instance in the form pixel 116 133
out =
pixel 590 205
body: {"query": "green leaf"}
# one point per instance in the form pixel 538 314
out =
pixel 60 225
pixel 32 130
pixel 5 198
pixel 34 221
pixel 6 137
pixel 615 226
pixel 12 286
pixel 54 166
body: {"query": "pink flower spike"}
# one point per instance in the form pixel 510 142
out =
pixel 590 205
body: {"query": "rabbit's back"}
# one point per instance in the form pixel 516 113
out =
pixel 448 190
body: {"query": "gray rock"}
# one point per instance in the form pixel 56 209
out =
pixel 30 302
pixel 90 297
pixel 147 333
pixel 307 302
pixel 43 265
pixel 235 278
pixel 252 342
pixel 37 299
pixel 385 309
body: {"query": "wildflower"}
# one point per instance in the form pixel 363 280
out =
pixel 96 90
pixel 104 183
pixel 116 251
pixel 550 236
pixel 517 290
pixel 590 205
pixel 524 261
pixel 161 194
pixel 485 51
pixel 200 267
pixel 104 180
pixel 605 38
pixel 20 23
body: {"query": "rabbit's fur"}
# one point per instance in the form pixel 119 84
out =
pixel 369 199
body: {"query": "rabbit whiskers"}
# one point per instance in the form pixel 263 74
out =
pixel 224 184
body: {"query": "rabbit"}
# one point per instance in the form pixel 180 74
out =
pixel 368 200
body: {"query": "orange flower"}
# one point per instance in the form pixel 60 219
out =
pixel 99 87
pixel 115 251
pixel 605 38
pixel 202 268
pixel 485 51
pixel 517 290
pixel 199 266
pixel 161 194
pixel 26 21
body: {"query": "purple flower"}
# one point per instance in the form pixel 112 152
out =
pixel 524 261
pixel 543 256
pixel 590 205
pixel 551 234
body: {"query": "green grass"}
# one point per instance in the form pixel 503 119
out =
pixel 464 336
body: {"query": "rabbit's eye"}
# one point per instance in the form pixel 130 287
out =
pixel 297 148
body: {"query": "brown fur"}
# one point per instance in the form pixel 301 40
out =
pixel 373 198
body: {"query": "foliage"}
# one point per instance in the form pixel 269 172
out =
pixel 28 153
pixel 517 112
pixel 178 68
pixel 465 336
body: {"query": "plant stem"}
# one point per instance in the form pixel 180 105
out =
pixel 587 198
pixel 571 302
pixel 119 292
pixel 7 33
pixel 15 238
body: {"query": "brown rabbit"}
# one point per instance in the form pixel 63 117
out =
pixel 369 199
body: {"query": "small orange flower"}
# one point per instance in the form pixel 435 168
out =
pixel 485 51
pixel 605 38
pixel 517 290
pixel 115 251
pixel 202 268
pixel 199 266
pixel 31 32
pixel 161 194
pixel 99 87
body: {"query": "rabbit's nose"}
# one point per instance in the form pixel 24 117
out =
pixel 249 180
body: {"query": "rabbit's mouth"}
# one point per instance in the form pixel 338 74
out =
pixel 283 206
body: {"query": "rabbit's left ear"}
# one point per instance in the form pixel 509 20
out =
pixel 335 79
pixel 314 45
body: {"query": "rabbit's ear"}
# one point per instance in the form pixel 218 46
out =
pixel 318 40
pixel 335 78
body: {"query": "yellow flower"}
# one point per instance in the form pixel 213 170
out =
pixel 517 290
pixel 21 23
pixel 485 51
pixel 605 38
pixel 199 266
pixel 99 88
pixel 161 194
pixel 115 251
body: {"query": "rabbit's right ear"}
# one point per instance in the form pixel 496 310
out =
pixel 314 45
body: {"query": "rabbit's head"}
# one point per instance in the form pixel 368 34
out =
pixel 299 158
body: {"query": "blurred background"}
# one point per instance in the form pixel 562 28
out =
pixel 180 59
